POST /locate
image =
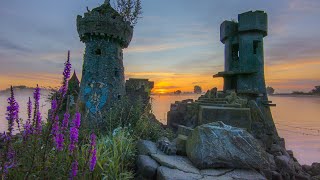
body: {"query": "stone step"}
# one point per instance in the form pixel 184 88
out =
pixel 210 99
pixel 219 105
pixel 213 102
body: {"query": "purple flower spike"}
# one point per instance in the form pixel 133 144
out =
pixel 93 138
pixel 29 104
pixel 74 135
pixel 59 139
pixel 12 113
pixel 66 76
pixel 77 120
pixel 93 160
pixel 65 122
pixel 55 126
pixel 38 123
pixel 74 169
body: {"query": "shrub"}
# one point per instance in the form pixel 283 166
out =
pixel 116 155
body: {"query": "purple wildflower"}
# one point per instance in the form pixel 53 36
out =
pixel 37 120
pixel 55 126
pixel 28 127
pixel 66 76
pixel 59 140
pixel 93 160
pixel 29 109
pixel 12 113
pixel 93 138
pixel 74 135
pixel 74 169
pixel 65 122
pixel 38 123
pixel 53 108
pixel 77 120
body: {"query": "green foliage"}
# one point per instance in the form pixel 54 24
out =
pixel 151 130
pixel 316 90
pixel 197 89
pixel 129 9
pixel 124 113
pixel 116 155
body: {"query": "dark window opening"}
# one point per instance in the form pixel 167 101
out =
pixel 235 51
pixel 255 46
pixel 119 97
pixel 98 51
pixel 116 73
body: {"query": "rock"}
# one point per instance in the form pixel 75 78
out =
pixel 217 145
pixel 183 130
pixel 181 142
pixel 231 174
pixel 147 148
pixel 315 177
pixel 276 176
pixel 165 173
pixel 176 162
pixel 147 167
pixel 284 164
pixel 245 174
pixel 215 172
pixel 166 146
pixel 315 169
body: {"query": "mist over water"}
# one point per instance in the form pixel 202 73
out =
pixel 297 118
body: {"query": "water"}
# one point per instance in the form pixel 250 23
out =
pixel 297 119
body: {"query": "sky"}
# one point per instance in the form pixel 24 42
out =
pixel 175 44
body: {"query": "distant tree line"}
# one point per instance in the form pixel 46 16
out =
pixel 315 91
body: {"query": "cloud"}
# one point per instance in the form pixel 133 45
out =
pixel 161 47
pixel 11 46
pixel 304 6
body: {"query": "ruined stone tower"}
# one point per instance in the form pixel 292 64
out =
pixel 105 34
pixel 244 56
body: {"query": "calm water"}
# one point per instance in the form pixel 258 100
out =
pixel 297 119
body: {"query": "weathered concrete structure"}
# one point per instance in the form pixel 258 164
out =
pixel 244 57
pixel 105 34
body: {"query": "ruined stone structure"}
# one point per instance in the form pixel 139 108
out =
pixel 105 34
pixel 244 57
pixel 73 89
pixel 243 102
pixel 139 89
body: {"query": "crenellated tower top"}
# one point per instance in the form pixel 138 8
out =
pixel 106 23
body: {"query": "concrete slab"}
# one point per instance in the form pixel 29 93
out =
pixel 237 117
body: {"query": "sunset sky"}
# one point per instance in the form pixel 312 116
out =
pixel 176 43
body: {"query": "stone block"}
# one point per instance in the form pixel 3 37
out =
pixel 165 173
pixel 181 142
pixel 236 117
pixel 147 148
pixel 176 162
pixel 183 130
pixel 147 167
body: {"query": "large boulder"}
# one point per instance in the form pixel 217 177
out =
pixel 216 145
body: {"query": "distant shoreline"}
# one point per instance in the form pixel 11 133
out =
pixel 295 95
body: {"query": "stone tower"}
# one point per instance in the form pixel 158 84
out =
pixel 105 34
pixel 244 56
